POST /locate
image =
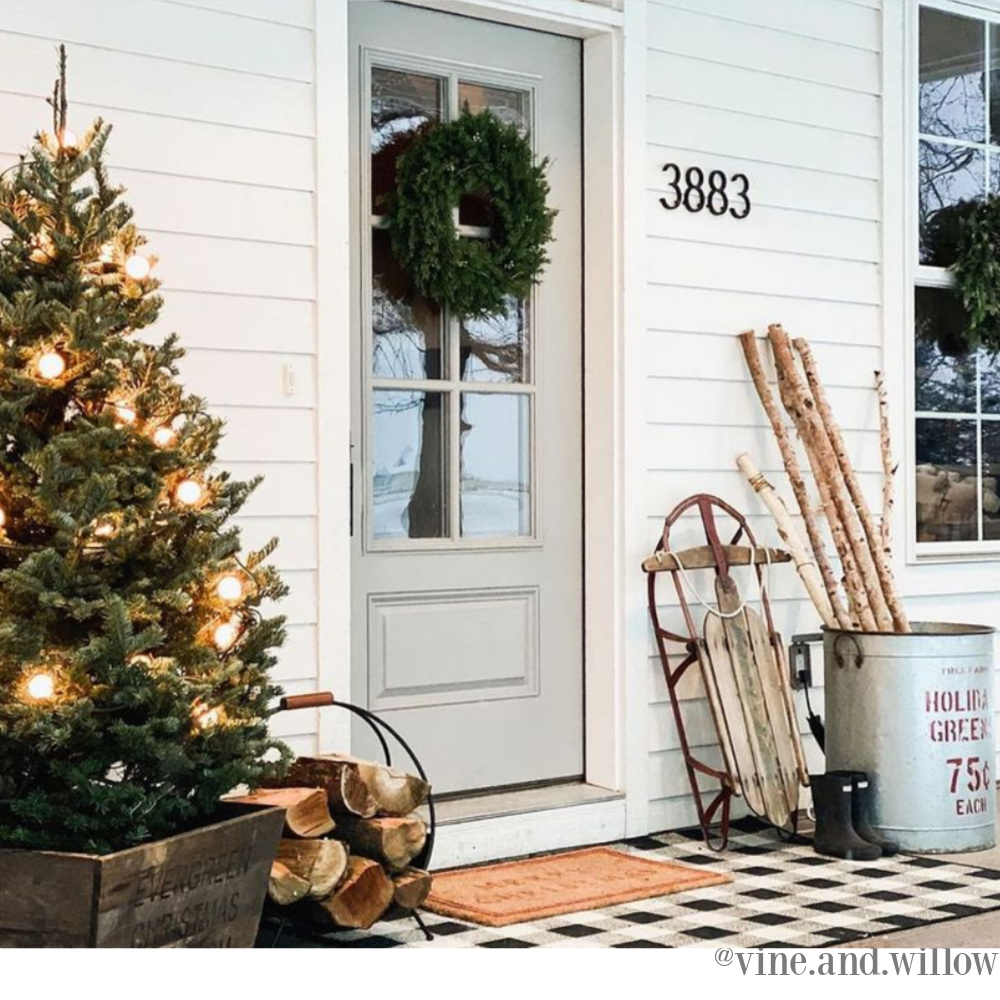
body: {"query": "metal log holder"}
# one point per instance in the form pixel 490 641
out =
pixel 381 729
pixel 744 766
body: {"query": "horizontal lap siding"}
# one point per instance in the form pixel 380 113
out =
pixel 213 109
pixel 788 94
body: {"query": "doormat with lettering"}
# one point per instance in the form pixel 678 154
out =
pixel 515 891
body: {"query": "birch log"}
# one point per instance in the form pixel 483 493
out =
pixel 888 469
pixel 883 566
pixel 748 341
pixel 804 562
pixel 861 581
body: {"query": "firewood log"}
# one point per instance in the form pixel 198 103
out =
pixel 748 341
pixel 285 887
pixel 346 791
pixel 307 813
pixel 361 898
pixel 394 792
pixel 411 887
pixel 322 863
pixel 392 840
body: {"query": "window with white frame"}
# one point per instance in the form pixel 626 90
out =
pixel 956 392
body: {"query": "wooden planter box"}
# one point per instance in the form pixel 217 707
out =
pixel 204 888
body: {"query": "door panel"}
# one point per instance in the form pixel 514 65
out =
pixel 466 444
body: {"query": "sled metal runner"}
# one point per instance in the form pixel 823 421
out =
pixel 744 675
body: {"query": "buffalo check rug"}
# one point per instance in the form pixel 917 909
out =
pixel 782 894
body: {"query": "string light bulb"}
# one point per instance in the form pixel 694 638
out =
pixel 51 365
pixel 41 686
pixel 125 414
pixel 68 140
pixel 189 492
pixel 137 267
pixel 164 437
pixel 230 588
pixel 225 635
pixel 105 529
pixel 3 517
pixel 207 716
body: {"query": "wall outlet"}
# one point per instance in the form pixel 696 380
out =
pixel 288 379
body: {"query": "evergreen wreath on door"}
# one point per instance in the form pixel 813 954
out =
pixel 480 155
pixel 976 271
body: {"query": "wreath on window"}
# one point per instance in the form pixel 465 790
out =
pixel 971 231
pixel 482 156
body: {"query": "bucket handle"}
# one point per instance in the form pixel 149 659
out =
pixel 859 657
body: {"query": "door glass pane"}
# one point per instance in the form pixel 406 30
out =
pixel 949 175
pixel 511 106
pixel 410 460
pixel 496 465
pixel 991 480
pixel 495 349
pixel 947 495
pixel 952 68
pixel 989 382
pixel 945 374
pixel 402 102
pixel 994 57
pixel 407 329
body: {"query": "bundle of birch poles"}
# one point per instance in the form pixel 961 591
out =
pixel 866 598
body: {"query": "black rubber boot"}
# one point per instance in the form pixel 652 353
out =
pixel 835 834
pixel 861 810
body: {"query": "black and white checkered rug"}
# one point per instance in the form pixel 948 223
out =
pixel 782 895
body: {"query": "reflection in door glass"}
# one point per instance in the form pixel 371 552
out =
pixel 410 461
pixel 495 348
pixel 948 176
pixel 496 465
pixel 945 373
pixel 406 327
pixel 402 103
pixel 952 94
pixel 947 484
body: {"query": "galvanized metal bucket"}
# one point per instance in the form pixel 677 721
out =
pixel 916 712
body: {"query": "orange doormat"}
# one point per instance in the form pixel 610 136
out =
pixel 509 893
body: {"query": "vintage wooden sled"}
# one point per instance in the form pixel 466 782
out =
pixel 743 671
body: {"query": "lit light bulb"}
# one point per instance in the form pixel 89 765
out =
pixel 225 635
pixel 107 253
pixel 206 717
pixel 230 587
pixel 51 365
pixel 137 267
pixel 3 517
pixel 189 492
pixel 125 414
pixel 41 686
pixel 105 529
pixel 68 139
pixel 163 437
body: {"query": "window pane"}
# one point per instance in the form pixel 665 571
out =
pixel 496 465
pixel 989 382
pixel 946 481
pixel 410 457
pixel 949 176
pixel 401 103
pixel 991 479
pixel 495 349
pixel 952 67
pixel 994 83
pixel 407 329
pixel 945 375
pixel 509 106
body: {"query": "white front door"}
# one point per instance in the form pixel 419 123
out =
pixel 467 454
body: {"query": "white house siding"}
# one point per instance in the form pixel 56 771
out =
pixel 214 116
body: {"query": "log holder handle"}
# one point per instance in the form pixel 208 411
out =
pixel 381 728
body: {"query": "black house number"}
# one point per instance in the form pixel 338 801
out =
pixel 694 190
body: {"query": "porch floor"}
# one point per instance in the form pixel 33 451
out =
pixel 782 895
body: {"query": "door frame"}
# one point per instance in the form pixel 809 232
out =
pixel 616 661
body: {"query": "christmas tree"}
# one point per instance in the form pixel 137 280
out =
pixel 134 656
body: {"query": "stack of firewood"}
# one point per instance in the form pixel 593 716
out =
pixel 863 545
pixel 351 834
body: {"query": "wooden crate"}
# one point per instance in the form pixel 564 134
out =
pixel 203 888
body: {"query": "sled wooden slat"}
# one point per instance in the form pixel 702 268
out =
pixel 702 557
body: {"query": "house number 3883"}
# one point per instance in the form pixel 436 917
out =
pixel 695 190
